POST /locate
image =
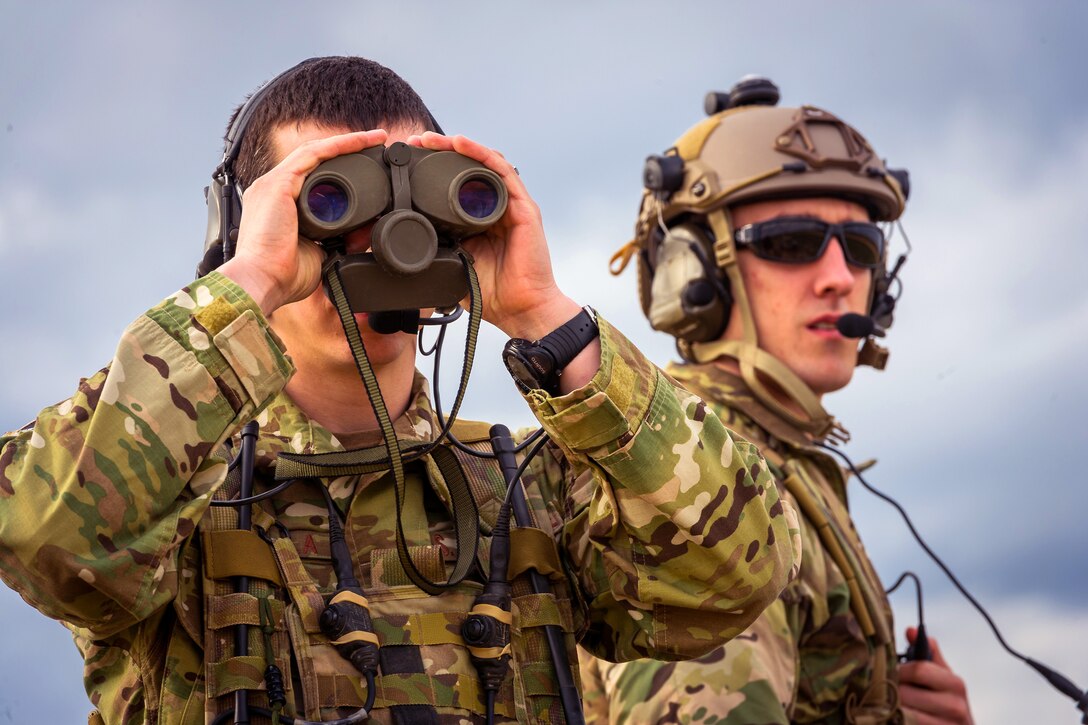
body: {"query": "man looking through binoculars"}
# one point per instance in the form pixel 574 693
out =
pixel 359 595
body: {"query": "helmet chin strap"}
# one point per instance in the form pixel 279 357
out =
pixel 757 365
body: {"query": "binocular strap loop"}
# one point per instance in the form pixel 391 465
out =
pixel 464 510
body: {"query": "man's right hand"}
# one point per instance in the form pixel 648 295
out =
pixel 271 262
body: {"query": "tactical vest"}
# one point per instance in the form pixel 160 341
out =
pixel 425 674
pixel 831 521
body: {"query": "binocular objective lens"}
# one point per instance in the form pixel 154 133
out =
pixel 478 198
pixel 327 202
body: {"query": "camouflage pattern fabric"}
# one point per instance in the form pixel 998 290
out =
pixel 671 531
pixel 809 658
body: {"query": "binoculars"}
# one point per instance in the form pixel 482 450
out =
pixel 423 202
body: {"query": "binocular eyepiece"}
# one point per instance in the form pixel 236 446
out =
pixel 421 199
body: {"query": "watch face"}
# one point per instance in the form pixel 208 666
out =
pixel 521 373
pixel 531 367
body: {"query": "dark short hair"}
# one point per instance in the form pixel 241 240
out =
pixel 342 91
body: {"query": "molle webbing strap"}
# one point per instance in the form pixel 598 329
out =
pixel 530 614
pixel 223 607
pixel 235 673
pixel 386 569
pixel 307 640
pixel 421 628
pixel 336 691
pixel 234 552
pixel 484 478
pixel 863 601
pixel 308 600
pixel 542 610
pixel 532 548
pixel 442 690
pixel 231 609
pixel 466 518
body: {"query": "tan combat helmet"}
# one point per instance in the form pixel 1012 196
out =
pixel 749 149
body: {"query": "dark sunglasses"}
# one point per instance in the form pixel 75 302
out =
pixel 800 240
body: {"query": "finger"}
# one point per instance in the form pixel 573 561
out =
pixel 932 676
pixel 935 650
pixel 489 157
pixel 944 707
pixel 523 209
pixel 920 718
pixel 306 157
pixel 433 141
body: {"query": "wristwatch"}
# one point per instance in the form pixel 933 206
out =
pixel 538 365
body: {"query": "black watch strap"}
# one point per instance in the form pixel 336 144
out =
pixel 565 342
pixel 537 365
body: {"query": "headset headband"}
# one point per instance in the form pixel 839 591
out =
pixel 223 197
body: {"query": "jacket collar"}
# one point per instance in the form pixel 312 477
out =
pixel 716 384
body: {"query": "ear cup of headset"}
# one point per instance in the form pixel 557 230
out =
pixel 213 235
pixel 680 290
pixel 223 197
pixel 222 224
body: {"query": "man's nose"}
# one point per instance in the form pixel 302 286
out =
pixel 833 271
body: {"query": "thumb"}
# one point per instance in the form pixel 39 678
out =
pixel 938 657
pixel 934 647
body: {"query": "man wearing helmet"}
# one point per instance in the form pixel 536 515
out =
pixel 758 249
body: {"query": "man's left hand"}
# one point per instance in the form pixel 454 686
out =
pixel 520 295
pixel 930 692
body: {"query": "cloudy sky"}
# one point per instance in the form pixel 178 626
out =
pixel 110 120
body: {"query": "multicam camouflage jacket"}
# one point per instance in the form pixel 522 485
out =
pixel 667 534
pixel 822 653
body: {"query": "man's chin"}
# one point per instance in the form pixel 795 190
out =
pixel 829 381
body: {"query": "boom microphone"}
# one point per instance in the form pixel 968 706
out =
pixel 388 322
pixel 858 326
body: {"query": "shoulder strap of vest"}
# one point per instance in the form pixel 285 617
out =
pixel 471 431
pixel 864 602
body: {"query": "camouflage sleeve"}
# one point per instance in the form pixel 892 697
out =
pixel 675 527
pixel 99 491
pixel 752 679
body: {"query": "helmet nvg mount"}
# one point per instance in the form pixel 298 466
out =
pixel 749 149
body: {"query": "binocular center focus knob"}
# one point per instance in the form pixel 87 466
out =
pixel 404 242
